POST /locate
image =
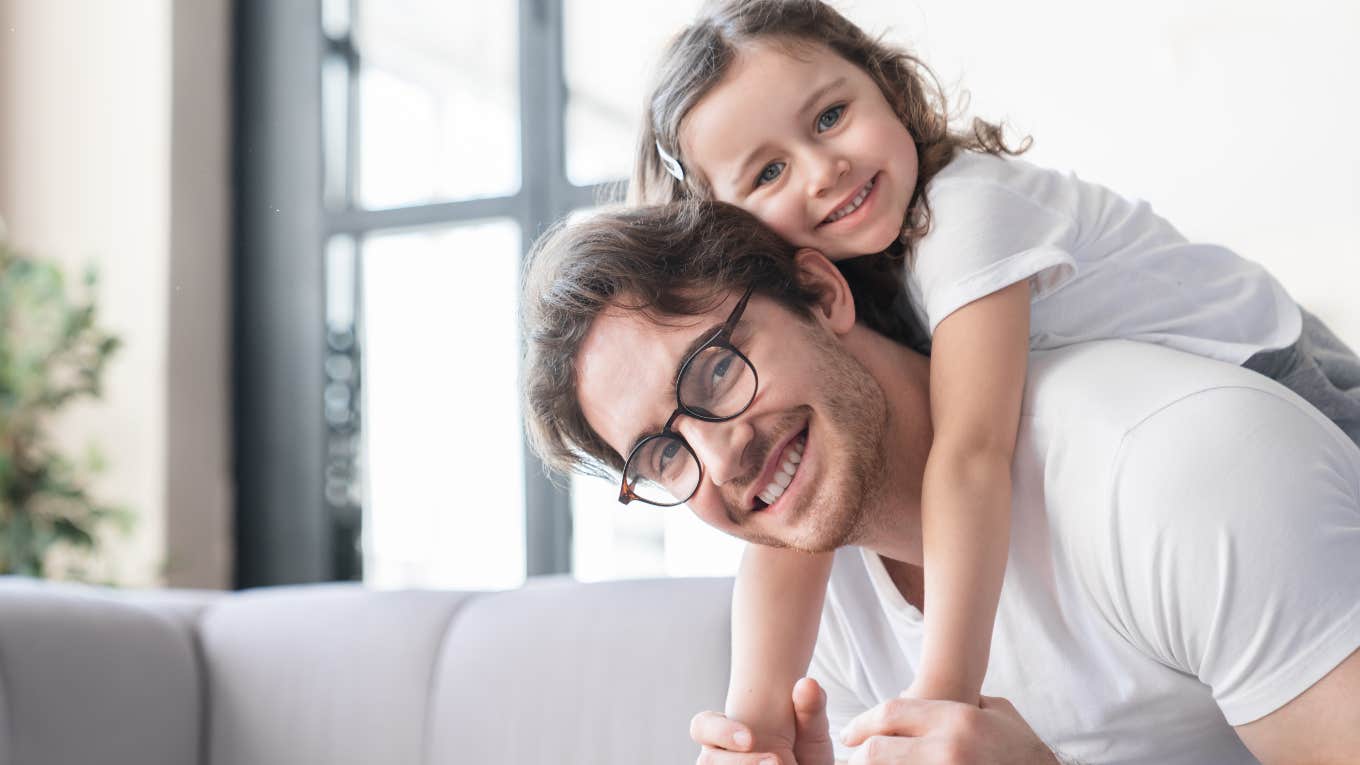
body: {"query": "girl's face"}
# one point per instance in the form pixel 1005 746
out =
pixel 805 141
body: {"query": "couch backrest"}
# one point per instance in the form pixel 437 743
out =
pixel 88 677
pixel 604 674
pixel 556 672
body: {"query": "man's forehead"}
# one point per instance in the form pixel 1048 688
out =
pixel 638 339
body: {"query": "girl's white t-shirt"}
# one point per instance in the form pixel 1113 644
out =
pixel 1100 266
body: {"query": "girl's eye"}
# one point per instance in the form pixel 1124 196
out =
pixel 828 119
pixel 769 173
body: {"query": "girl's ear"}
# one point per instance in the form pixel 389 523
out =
pixel 835 306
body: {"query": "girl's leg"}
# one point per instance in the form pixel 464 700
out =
pixel 1328 375
pixel 1337 361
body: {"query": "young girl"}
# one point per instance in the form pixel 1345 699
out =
pixel 842 144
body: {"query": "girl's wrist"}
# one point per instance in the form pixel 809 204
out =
pixel 940 689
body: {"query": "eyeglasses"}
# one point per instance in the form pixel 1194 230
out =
pixel 716 383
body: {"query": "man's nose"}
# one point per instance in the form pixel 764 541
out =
pixel 824 171
pixel 721 446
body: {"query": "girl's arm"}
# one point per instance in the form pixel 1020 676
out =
pixel 776 609
pixel 977 377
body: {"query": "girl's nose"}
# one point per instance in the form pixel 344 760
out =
pixel 825 172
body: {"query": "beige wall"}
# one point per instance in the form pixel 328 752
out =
pixel 113 149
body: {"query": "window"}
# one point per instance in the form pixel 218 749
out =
pixel 421 105
pixel 447 140
pixel 444 499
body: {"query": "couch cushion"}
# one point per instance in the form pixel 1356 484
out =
pixel 88 678
pixel 600 674
pixel 326 674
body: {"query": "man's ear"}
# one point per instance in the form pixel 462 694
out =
pixel 835 306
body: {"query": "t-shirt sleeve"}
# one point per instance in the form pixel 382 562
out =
pixel 1235 545
pixel 985 236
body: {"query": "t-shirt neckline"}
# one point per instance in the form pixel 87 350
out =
pixel 888 594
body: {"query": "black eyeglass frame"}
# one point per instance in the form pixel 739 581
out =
pixel 721 339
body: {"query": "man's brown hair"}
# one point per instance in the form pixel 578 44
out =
pixel 680 259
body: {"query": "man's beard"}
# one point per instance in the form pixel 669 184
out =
pixel 853 426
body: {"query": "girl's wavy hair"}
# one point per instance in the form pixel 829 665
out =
pixel 667 261
pixel 698 58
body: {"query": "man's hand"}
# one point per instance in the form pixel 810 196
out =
pixel 728 742
pixel 944 733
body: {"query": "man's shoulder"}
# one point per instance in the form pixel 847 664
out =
pixel 1103 415
pixel 1117 385
pixel 1168 447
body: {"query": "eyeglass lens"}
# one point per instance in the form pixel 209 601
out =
pixel 718 383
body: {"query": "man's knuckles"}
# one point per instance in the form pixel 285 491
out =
pixel 905 716
pixel 894 714
pixel 877 749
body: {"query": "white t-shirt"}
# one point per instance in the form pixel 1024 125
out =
pixel 1101 266
pixel 1185 556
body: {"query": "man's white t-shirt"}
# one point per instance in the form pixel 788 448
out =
pixel 1185 556
pixel 1100 266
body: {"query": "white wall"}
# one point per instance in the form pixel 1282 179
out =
pixel 1233 118
pixel 87 174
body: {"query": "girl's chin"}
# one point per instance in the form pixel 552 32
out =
pixel 870 242
pixel 874 236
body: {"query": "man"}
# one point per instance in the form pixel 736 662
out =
pixel 1183 583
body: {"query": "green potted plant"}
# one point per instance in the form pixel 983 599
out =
pixel 52 353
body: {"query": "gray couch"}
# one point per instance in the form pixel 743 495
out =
pixel 555 672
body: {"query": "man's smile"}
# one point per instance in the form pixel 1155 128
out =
pixel 780 470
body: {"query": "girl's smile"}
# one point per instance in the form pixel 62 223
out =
pixel 849 212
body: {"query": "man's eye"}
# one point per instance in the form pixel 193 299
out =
pixel 720 371
pixel 828 119
pixel 665 457
pixel 769 173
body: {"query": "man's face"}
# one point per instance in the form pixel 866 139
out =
pixel 818 412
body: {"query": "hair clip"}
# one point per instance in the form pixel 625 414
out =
pixel 671 163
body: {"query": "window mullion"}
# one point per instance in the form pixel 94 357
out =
pixel 547 506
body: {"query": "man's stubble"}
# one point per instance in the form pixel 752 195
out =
pixel 852 432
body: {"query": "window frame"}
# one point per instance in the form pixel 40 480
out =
pixel 299 501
